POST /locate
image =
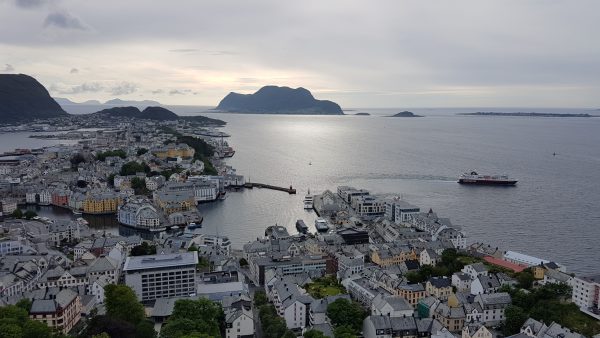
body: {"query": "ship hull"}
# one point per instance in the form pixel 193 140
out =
pixel 486 182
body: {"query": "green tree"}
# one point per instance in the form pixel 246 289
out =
pixel 76 160
pixel 343 312
pixel 24 304
pixel 344 331
pixel 289 334
pixel 121 303
pixel 192 317
pixel 36 329
pixel 314 334
pixel 10 330
pixel 18 213
pixel 243 262
pixel 260 299
pixel 145 329
pixel 132 168
pixel 143 249
pixel 101 335
pixel 139 186
pixel 525 279
pixel 29 214
pixel 514 319
pixel 193 247
pixel 111 180
pixel 141 151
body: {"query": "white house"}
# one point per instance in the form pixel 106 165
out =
pixel 391 306
pixel 239 323
pixel 485 284
pixel 461 281
pixel 476 269
pixel 428 257
pixel 476 331
pixel 586 294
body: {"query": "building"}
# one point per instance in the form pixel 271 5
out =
pixel 493 306
pixel 586 294
pixel 429 257
pixel 439 287
pixel 162 276
pixel 476 331
pixel 101 203
pixel 399 211
pixel 174 150
pixel 139 215
pixel 387 255
pixel 519 258
pixel 239 323
pixel 61 313
pixel 391 306
pixel 368 206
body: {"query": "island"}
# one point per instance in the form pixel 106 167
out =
pixel 522 114
pixel 23 98
pixel 405 114
pixel 278 100
pixel 362 114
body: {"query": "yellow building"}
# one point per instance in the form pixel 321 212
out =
pixel 538 272
pixel 174 150
pixel 101 203
pixel 392 256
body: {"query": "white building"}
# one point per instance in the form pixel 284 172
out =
pixel 399 211
pixel 519 258
pixel 586 294
pixel 139 215
pixel 162 276
pixel 391 306
pixel 239 323
pixel 474 270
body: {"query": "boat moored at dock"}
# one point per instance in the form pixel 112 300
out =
pixel 474 178
pixel 301 226
pixel 321 225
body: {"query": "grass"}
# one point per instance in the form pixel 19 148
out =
pixel 324 287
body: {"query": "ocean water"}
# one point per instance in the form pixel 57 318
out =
pixel 552 213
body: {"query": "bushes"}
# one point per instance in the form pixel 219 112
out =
pixel 118 152
pixel 131 168
pixel 347 314
pixel 194 318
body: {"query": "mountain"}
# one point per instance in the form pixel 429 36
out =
pixel 119 102
pixel 23 98
pixel 405 114
pixel 150 113
pixel 278 100
pixel 64 101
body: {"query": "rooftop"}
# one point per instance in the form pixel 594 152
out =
pixel 160 261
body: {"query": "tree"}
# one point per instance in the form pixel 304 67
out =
pixel 17 213
pixel 525 279
pixel 343 312
pixel 111 180
pixel 112 327
pixel 24 304
pixel 192 317
pixel 260 298
pixel 36 329
pixel 145 329
pixel 514 319
pixel 314 334
pixel 289 334
pixel 142 151
pixel 344 331
pixel 143 249
pixel 29 214
pixel 101 335
pixel 193 247
pixel 243 262
pixel 139 186
pixel 121 303
pixel 131 168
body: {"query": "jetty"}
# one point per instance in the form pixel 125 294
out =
pixel 251 185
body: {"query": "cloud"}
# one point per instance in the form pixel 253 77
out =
pixel 9 68
pixel 157 91
pixel 63 20
pixel 91 87
pixel 176 92
pixel 30 3
pixel 183 50
pixel 74 71
pixel 124 88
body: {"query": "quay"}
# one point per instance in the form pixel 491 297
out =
pixel 251 185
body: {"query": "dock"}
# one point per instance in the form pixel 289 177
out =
pixel 251 185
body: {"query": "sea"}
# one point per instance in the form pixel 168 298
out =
pixel 553 212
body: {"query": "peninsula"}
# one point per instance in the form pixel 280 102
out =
pixel 278 100
pixel 23 98
pixel 522 114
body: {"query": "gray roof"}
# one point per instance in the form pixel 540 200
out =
pixel 160 261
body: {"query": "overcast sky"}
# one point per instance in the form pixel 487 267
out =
pixel 479 53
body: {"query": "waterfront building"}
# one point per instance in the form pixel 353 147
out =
pixel 368 206
pixel 174 201
pixel 105 202
pixel 162 276
pixel 139 214
pixel 60 197
pixel 399 211
pixel 61 312
pixel 347 193
pixel 8 206
pixel 586 294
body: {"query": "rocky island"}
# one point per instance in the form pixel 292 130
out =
pixel 405 114
pixel 278 100
pixel 23 98
pixel 362 114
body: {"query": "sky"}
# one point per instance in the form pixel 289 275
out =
pixel 397 53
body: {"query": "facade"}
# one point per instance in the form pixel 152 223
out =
pixel 174 150
pixel 399 211
pixel 139 215
pixel 162 276
pixel 586 294
pixel 368 206
pixel 101 203
pixel 386 255
pixel 239 323
pixel 439 287
pixel 61 313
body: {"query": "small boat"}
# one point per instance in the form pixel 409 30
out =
pixel 474 178
pixel 77 212
pixel 82 221
pixel 194 225
pixel 301 226
pixel 321 225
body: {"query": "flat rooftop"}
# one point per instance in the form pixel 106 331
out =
pixel 160 261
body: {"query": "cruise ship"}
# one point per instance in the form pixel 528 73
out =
pixel 474 178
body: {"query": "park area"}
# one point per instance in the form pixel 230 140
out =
pixel 325 286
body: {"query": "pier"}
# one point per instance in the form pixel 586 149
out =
pixel 251 185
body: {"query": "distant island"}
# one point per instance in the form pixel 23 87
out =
pixel 405 114
pixel 113 102
pixel 525 114
pixel 23 98
pixel 278 100
pixel 362 114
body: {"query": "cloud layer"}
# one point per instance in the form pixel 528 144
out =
pixel 389 53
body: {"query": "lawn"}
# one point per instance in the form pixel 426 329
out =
pixel 324 287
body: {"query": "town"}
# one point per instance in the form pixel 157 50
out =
pixel 374 267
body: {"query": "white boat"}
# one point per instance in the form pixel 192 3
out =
pixel 308 202
pixel 321 225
